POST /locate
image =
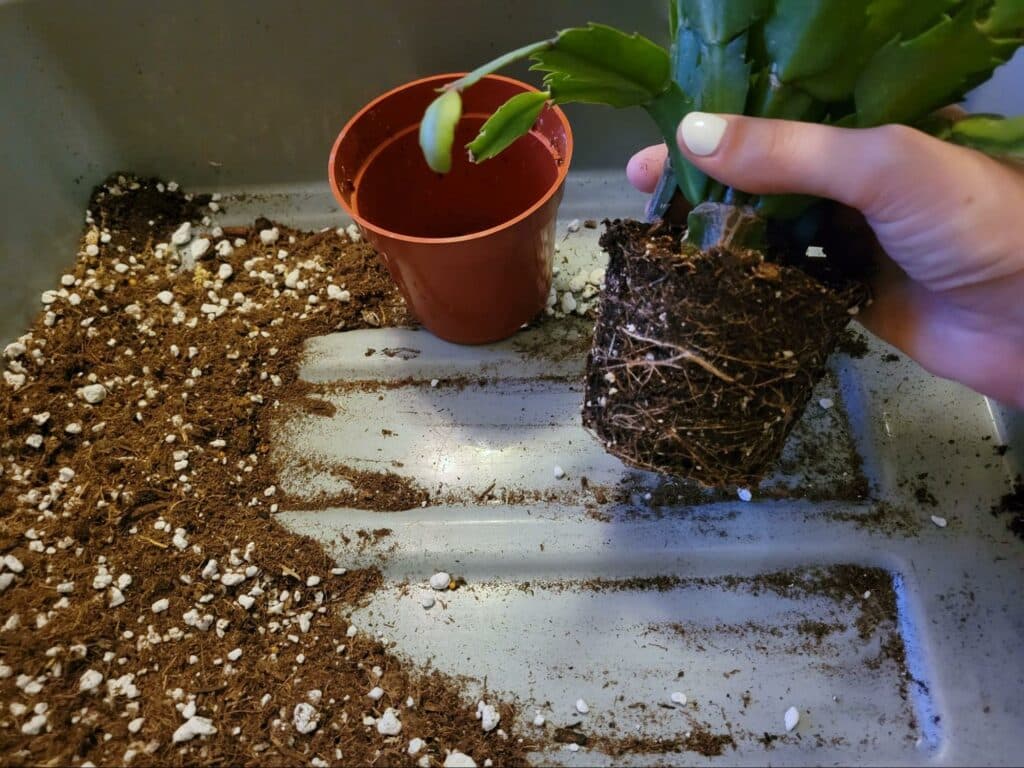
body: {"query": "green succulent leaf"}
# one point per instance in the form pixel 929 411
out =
pixel 597 64
pixel 666 111
pixel 992 134
pixel 513 119
pixel 884 20
pixel 1005 19
pixel 907 79
pixel 437 130
pixel 499 63
pixel 719 22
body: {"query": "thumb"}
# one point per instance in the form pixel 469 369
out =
pixel 762 156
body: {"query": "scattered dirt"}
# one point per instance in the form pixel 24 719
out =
pixel 853 344
pixel 925 496
pixel 840 583
pixel 884 518
pixel 701 741
pixel 377 491
pixel 1012 504
pixel 819 630
pixel 690 374
pixel 570 337
pixel 113 511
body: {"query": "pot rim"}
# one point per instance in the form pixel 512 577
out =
pixel 556 185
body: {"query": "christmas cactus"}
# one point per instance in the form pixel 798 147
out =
pixel 671 358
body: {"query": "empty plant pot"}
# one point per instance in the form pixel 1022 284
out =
pixel 470 250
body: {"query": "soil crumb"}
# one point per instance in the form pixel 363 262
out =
pixel 1012 505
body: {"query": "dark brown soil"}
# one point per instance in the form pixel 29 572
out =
pixel 378 491
pixel 853 344
pixel 1012 504
pixel 884 518
pixel 703 362
pixel 109 498
pixel 699 740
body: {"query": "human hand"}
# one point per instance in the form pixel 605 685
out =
pixel 950 293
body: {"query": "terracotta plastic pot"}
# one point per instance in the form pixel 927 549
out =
pixel 471 250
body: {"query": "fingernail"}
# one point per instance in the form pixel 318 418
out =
pixel 702 132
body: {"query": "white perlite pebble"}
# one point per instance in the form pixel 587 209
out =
pixel 15 380
pixel 34 441
pixel 427 601
pixel 440 581
pixel 194 726
pixel 489 717
pixel 678 698
pixel 13 564
pixel 90 680
pixel 199 247
pixel 235 655
pixel 558 472
pixel 389 724
pixel 415 745
pixel 34 726
pixel 116 597
pixel 581 706
pixel 826 402
pixel 377 693
pixel 539 720
pixel 14 349
pixel 792 718
pixel 574 225
pixel 312 581
pixel 305 718
pixel 160 605
pixel 136 725
pixel 180 541
pixel 6 579
pixel 939 521
pixel 568 302
pixel 744 494
pixel 224 271
pixel 246 601
pixel 93 393
pixel 269 236
pixel 182 234
pixel 334 293
pixel 458 760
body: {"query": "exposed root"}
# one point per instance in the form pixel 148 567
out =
pixel 702 362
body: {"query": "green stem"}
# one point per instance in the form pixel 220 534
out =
pixel 491 67
pixel 667 110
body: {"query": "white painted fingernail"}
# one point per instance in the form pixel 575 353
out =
pixel 702 132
